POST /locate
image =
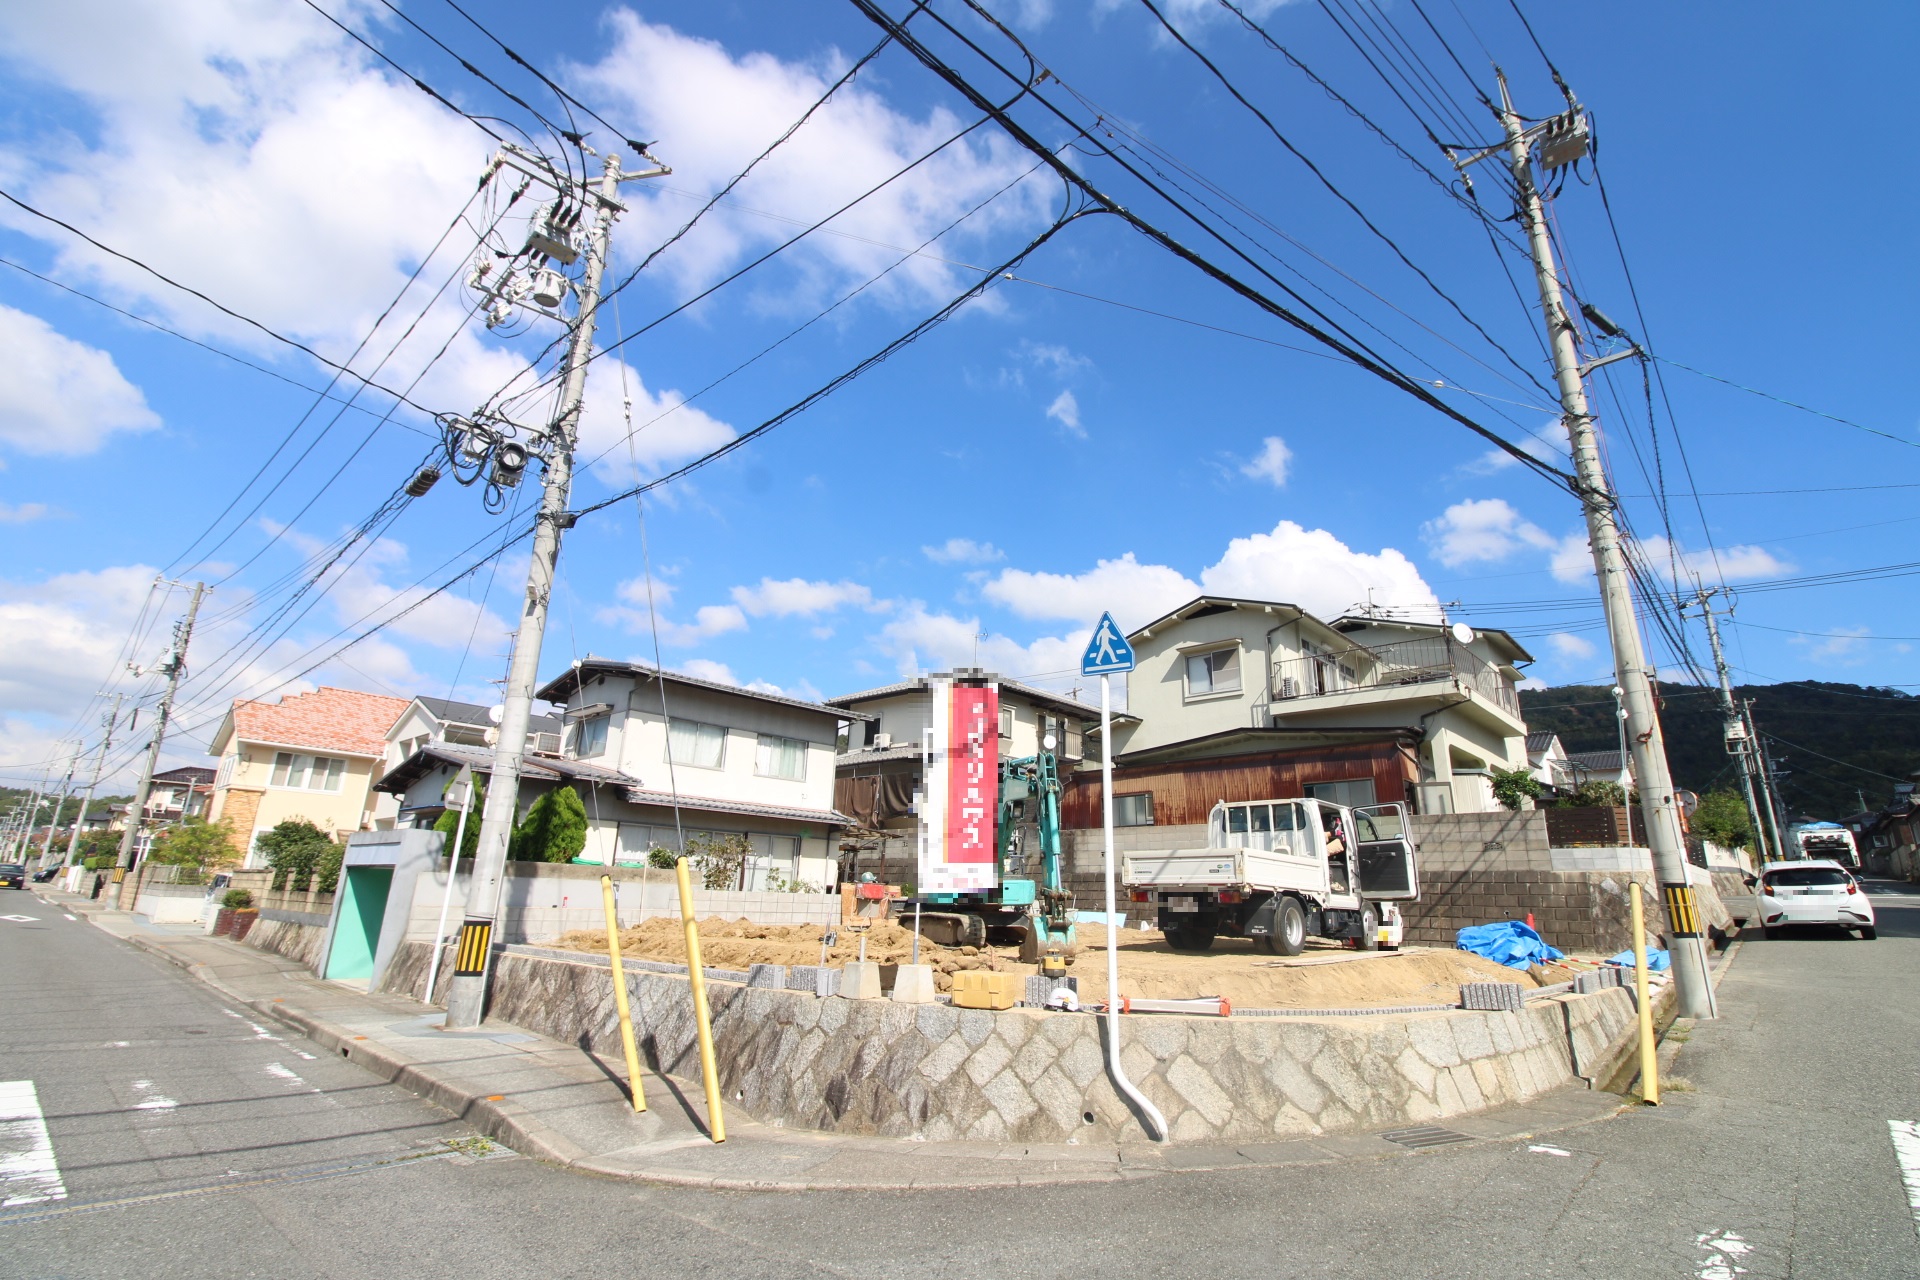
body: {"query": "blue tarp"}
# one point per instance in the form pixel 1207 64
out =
pixel 1509 942
pixel 1657 960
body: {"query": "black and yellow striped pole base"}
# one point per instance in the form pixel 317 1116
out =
pixel 1683 915
pixel 470 958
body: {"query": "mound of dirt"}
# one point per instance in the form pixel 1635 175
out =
pixel 1149 969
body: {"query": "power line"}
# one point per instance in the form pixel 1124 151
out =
pixel 1791 404
pixel 188 289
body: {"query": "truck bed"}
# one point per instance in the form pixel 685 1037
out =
pixel 1213 869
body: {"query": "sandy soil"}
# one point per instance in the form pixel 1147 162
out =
pixel 1336 978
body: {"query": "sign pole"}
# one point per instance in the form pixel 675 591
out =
pixel 1107 653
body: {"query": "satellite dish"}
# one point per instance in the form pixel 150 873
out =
pixel 491 737
pixel 1048 743
pixel 1461 632
pixel 496 714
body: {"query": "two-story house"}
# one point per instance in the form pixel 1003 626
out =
pixel 468 724
pixel 178 794
pixel 1245 699
pixel 879 770
pixel 711 760
pixel 309 755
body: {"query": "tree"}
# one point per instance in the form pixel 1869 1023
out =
pixel 449 822
pixel 97 844
pixel 554 830
pixel 294 850
pixel 1514 787
pixel 1723 818
pixel 717 858
pixel 194 843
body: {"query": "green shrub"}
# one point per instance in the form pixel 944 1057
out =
pixel 555 828
pixel 717 858
pixel 194 843
pixel 665 859
pixel 1595 794
pixel 1723 818
pixel 294 849
pixel 236 899
pixel 448 823
pixel 1514 787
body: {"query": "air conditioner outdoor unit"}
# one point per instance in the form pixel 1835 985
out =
pixel 1289 687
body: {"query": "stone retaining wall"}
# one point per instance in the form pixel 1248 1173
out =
pixel 296 935
pixel 937 1072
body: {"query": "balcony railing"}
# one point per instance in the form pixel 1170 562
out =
pixel 1402 664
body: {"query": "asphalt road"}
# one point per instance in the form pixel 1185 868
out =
pixel 191 1143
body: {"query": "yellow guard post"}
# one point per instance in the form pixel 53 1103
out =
pixel 1649 1050
pixel 697 979
pixel 620 998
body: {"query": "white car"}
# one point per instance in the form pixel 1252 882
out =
pixel 1814 891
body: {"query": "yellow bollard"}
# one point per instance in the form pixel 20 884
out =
pixel 697 979
pixel 620 998
pixel 1649 1050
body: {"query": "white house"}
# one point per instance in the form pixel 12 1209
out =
pixel 1410 711
pixel 466 724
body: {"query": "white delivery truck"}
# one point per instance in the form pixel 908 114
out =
pixel 1279 870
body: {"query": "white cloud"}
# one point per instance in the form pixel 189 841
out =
pixel 922 641
pixel 1065 410
pixel 1271 464
pixel 1320 573
pixel 360 594
pixel 1570 647
pixel 1572 560
pixel 1481 529
pixel 1051 355
pixel 1135 592
pixel 798 597
pixel 714 111
pixel 25 513
pixel 964 551
pixel 1548 443
pixel 666 429
pixel 709 620
pixel 1733 564
pixel 708 669
pixel 1846 646
pixel 61 396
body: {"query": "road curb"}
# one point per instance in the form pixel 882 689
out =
pixel 512 1125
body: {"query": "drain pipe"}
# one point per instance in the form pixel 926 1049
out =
pixel 1156 1124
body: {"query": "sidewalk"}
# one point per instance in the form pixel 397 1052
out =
pixel 561 1104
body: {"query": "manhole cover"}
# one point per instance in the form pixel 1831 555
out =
pixel 1426 1135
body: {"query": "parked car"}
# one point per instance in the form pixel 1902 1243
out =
pixel 1813 891
pixel 13 875
pixel 46 874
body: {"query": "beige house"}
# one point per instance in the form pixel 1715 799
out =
pixel 310 755
pixel 1222 677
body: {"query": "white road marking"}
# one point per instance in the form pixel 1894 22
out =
pixel 1906 1150
pixel 299 1054
pixel 21 919
pixel 1724 1249
pixel 158 1102
pixel 118 1044
pixel 29 1174
pixel 70 917
pixel 1545 1150
pixel 261 1033
pixel 280 1072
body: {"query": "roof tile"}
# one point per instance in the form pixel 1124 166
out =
pixel 327 719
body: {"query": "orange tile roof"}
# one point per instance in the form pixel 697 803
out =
pixel 326 719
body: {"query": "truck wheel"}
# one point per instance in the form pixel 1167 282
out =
pixel 1192 938
pixel 1289 928
pixel 1369 939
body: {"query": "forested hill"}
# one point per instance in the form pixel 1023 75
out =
pixel 1868 736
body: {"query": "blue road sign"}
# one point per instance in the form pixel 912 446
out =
pixel 1108 653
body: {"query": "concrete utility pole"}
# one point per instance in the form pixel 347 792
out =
pixel 175 667
pixel 1657 805
pixel 99 764
pixel 20 825
pixel 466 993
pixel 1738 736
pixel 66 789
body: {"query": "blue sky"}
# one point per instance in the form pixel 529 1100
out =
pixel 1051 451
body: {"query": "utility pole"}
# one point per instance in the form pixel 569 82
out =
pixel 466 992
pixel 1565 140
pixel 1739 741
pixel 20 828
pixel 1776 803
pixel 99 763
pixel 1763 779
pixel 66 789
pixel 175 666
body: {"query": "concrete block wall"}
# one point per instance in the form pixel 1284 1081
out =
pixel 1577 911
pixel 1470 842
pixel 1027 1075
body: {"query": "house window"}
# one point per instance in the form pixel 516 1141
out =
pixel 1354 793
pixel 590 737
pixel 703 746
pixel 777 757
pixel 1215 672
pixel 307 773
pixel 1134 810
pixel 1006 722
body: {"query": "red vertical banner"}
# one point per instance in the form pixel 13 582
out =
pixel 973 777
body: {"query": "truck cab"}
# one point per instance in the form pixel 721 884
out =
pixel 1277 871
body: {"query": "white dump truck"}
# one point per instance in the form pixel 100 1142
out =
pixel 1277 871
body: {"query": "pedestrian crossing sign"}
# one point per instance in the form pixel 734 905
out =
pixel 1108 653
